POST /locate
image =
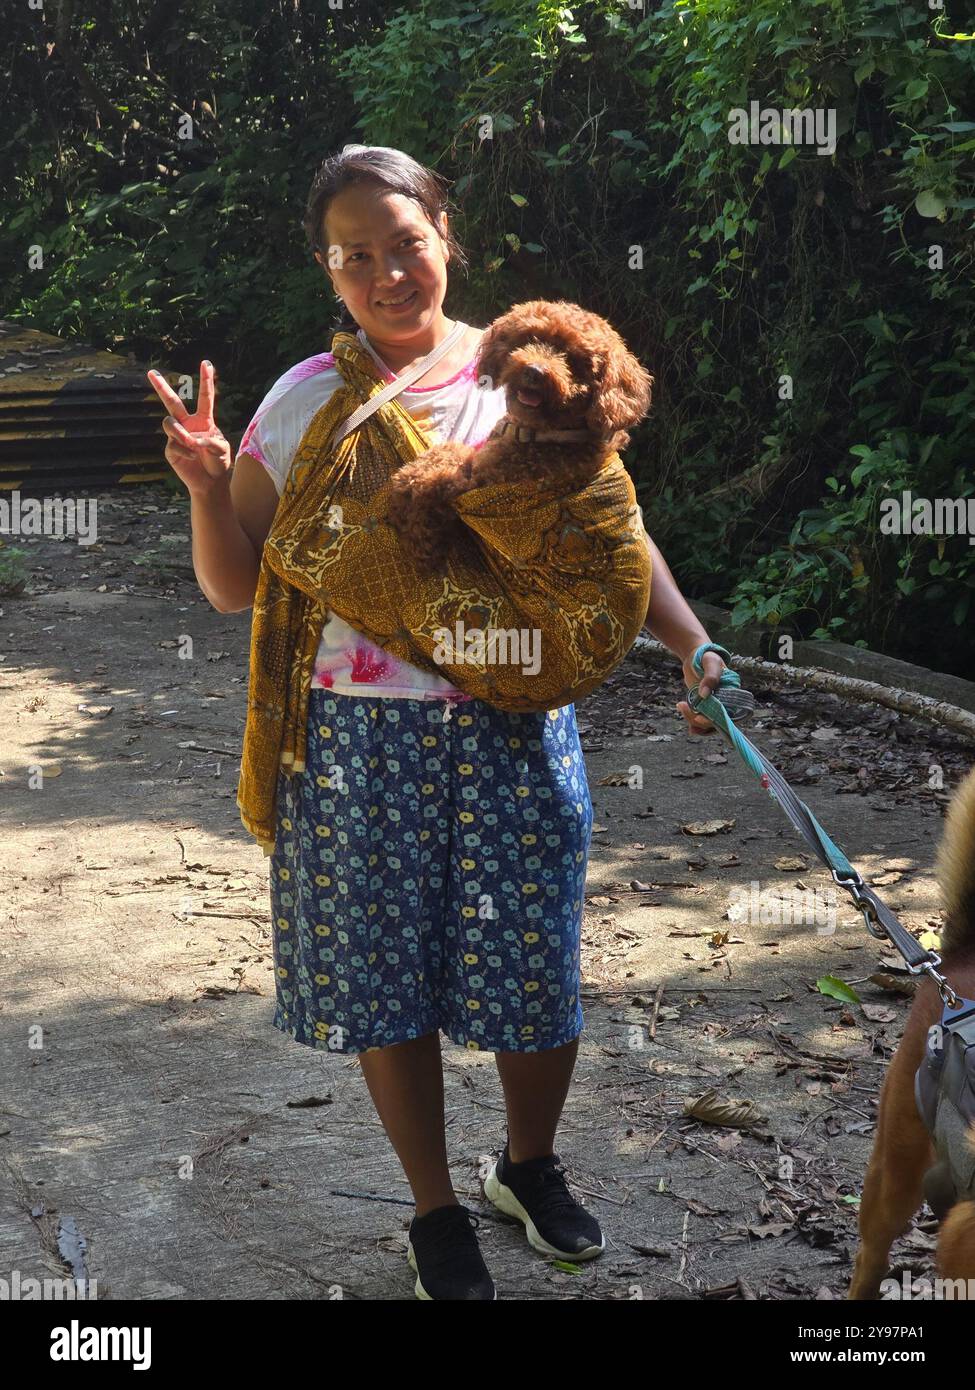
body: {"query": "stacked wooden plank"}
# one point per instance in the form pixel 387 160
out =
pixel 72 416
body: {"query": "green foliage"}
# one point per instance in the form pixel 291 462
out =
pixel 788 302
pixel 13 572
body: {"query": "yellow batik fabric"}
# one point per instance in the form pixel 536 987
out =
pixel 563 577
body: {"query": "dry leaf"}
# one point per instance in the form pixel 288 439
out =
pixel 894 984
pixel 877 1013
pixel 712 1109
pixel 707 827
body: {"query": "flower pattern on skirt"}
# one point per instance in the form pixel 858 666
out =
pixel 429 873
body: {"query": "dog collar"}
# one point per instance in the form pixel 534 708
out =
pixel 525 434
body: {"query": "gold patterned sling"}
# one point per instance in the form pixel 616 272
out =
pixel 534 614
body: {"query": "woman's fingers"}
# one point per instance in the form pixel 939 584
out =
pixel 175 453
pixel 176 432
pixel 696 723
pixel 167 395
pixel 204 404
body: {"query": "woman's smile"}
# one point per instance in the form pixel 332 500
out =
pixel 398 303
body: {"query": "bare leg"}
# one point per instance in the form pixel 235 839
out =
pixel 406 1085
pixel 535 1086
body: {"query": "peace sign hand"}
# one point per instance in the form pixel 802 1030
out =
pixel 197 452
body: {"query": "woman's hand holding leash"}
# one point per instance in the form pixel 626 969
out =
pixel 710 679
pixel 713 667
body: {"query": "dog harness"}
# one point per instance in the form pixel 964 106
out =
pixel 944 1089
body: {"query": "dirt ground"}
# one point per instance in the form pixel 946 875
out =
pixel 157 1134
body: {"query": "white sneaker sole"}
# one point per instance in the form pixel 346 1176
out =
pixel 505 1200
pixel 418 1288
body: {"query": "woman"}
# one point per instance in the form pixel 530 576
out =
pixel 428 871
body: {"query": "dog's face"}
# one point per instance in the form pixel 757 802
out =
pixel 562 367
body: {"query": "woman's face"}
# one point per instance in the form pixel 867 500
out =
pixel 387 251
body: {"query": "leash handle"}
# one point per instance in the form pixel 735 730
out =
pixel 739 703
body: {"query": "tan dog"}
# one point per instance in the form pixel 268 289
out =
pixel 903 1151
pixel 572 390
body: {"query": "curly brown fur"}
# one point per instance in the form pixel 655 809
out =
pixel 902 1152
pixel 561 367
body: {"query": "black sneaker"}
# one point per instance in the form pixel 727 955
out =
pixel 443 1250
pixel 536 1193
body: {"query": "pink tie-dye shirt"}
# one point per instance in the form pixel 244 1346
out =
pixel 347 662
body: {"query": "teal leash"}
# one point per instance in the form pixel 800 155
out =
pixel 731 701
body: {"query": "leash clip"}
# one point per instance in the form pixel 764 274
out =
pixel 948 996
pixel 873 926
pixel 853 886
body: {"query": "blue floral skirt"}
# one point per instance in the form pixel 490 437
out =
pixel 428 873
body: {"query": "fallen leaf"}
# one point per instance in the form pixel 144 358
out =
pixel 878 1014
pixel 714 1110
pixel 707 827
pixel 894 984
pixel 837 989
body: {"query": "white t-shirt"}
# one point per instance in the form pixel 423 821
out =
pixel 458 409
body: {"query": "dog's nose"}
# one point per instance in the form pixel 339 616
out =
pixel 533 373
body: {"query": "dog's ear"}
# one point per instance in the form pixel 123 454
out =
pixel 497 343
pixel 622 394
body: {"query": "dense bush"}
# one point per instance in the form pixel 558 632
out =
pixel 812 353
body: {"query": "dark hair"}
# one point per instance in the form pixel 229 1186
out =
pixel 393 169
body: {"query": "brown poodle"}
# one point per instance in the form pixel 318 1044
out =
pixel 572 389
